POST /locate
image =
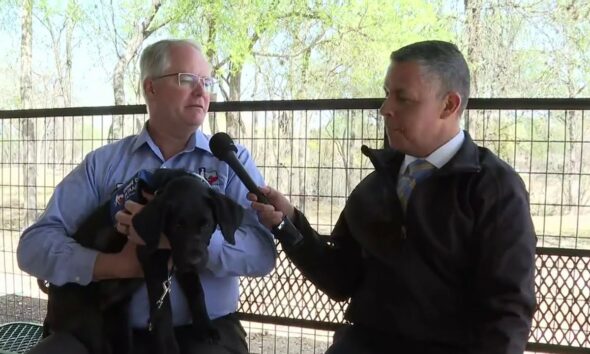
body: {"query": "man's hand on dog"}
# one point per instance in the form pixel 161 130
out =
pixel 120 265
pixel 125 263
pixel 125 226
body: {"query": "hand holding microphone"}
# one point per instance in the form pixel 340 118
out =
pixel 273 213
pixel 274 210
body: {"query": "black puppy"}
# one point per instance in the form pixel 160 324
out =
pixel 187 213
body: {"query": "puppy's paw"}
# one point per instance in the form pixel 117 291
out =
pixel 213 336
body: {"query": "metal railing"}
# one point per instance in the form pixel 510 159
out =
pixel 310 150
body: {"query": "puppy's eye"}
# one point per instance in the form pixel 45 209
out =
pixel 181 224
pixel 206 223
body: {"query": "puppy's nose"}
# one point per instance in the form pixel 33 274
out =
pixel 191 260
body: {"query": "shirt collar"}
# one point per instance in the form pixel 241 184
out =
pixel 439 157
pixel 198 141
pixel 202 141
pixel 142 138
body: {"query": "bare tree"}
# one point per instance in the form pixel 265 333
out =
pixel 571 20
pixel 60 24
pixel 143 28
pixel 474 42
pixel 27 126
pixel 62 31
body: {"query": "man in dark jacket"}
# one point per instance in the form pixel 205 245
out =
pixel 435 248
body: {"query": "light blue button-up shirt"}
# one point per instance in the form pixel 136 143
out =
pixel 47 251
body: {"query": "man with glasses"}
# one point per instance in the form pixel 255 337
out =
pixel 436 248
pixel 177 85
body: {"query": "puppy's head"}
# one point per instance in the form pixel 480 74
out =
pixel 161 176
pixel 187 212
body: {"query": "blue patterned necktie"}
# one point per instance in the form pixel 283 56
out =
pixel 414 174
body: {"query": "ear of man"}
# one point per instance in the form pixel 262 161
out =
pixel 148 87
pixel 451 105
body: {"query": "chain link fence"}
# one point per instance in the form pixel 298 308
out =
pixel 310 150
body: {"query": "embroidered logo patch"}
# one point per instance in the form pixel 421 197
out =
pixel 131 190
pixel 120 199
pixel 210 176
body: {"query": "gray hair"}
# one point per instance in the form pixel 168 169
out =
pixel 155 58
pixel 442 59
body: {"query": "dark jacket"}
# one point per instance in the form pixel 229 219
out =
pixel 455 274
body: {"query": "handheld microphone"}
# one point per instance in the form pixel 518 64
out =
pixel 223 147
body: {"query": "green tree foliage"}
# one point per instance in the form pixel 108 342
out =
pixel 280 49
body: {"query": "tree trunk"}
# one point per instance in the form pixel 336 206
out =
pixel 300 149
pixel 235 126
pixel 67 89
pixel 141 33
pixel 27 126
pixel 570 196
pixel 473 26
pixel 211 55
pixel 68 64
pixel 473 19
pixel 26 53
pixel 116 128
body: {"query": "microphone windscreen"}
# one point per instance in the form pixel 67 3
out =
pixel 220 144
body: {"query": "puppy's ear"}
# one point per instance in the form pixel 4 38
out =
pixel 149 223
pixel 228 214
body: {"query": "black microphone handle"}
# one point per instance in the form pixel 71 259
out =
pixel 285 231
pixel 238 168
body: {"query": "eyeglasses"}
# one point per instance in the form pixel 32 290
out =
pixel 191 81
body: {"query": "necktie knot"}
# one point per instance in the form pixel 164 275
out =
pixel 420 169
pixel 415 172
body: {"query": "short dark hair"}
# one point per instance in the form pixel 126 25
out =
pixel 442 59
